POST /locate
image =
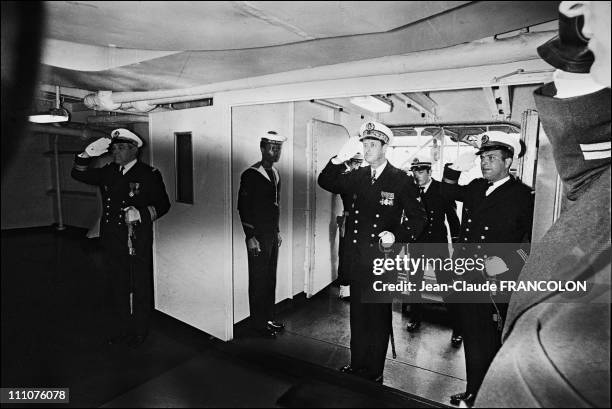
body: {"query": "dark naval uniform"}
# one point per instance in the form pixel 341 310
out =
pixel 258 206
pixel 377 207
pixel 433 241
pixel 348 204
pixel 504 216
pixel 142 187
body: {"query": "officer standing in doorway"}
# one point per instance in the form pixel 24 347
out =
pixel 383 194
pixel 433 241
pixel 258 206
pixel 133 197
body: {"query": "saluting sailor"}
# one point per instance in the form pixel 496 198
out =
pixel 383 193
pixel 133 197
pixel 433 241
pixel 258 206
pixel 496 227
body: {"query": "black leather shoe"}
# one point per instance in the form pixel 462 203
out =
pixel 456 340
pixel 275 326
pixel 466 397
pixel 347 369
pixel 413 325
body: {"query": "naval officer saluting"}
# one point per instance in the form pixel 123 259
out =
pixel 133 197
pixel 496 227
pixel 383 194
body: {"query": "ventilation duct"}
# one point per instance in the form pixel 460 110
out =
pixel 477 53
pixel 112 119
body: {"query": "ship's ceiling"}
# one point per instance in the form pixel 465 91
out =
pixel 142 45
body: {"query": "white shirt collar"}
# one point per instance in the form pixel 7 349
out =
pixel 379 170
pixel 497 184
pixel 262 170
pixel 129 166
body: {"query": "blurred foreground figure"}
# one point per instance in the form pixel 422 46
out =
pixel 556 350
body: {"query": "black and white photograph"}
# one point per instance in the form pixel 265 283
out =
pixel 324 204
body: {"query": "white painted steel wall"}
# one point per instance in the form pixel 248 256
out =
pixel 192 252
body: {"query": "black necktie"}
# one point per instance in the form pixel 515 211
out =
pixel 373 176
pixel 121 169
pixel 422 188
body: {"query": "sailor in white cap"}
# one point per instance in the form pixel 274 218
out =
pixel 133 197
pixel 497 208
pixel 382 194
pixel 259 209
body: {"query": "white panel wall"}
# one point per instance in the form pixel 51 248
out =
pixel 248 124
pixel 192 256
pixel 304 112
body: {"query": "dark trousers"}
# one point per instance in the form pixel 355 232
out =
pixel 481 339
pixel 370 330
pixel 262 280
pixel 129 274
pixel 342 264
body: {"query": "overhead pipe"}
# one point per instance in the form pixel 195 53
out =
pixel 476 53
pixel 111 119
pixel 83 134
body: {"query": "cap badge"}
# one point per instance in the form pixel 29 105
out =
pixel 370 126
pixel 484 139
pixel 115 134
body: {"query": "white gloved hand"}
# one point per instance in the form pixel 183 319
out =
pixel 571 84
pixel 386 238
pixel 464 162
pixel 348 150
pixel 495 266
pixel 132 214
pixel 98 147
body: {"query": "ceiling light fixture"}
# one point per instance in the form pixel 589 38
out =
pixel 373 103
pixel 54 115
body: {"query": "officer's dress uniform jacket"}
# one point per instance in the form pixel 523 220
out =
pixel 556 350
pixel 504 216
pixel 377 207
pixel 142 187
pixel 438 208
pixel 348 204
pixel 258 206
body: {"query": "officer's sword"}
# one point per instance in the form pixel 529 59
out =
pixel 132 253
